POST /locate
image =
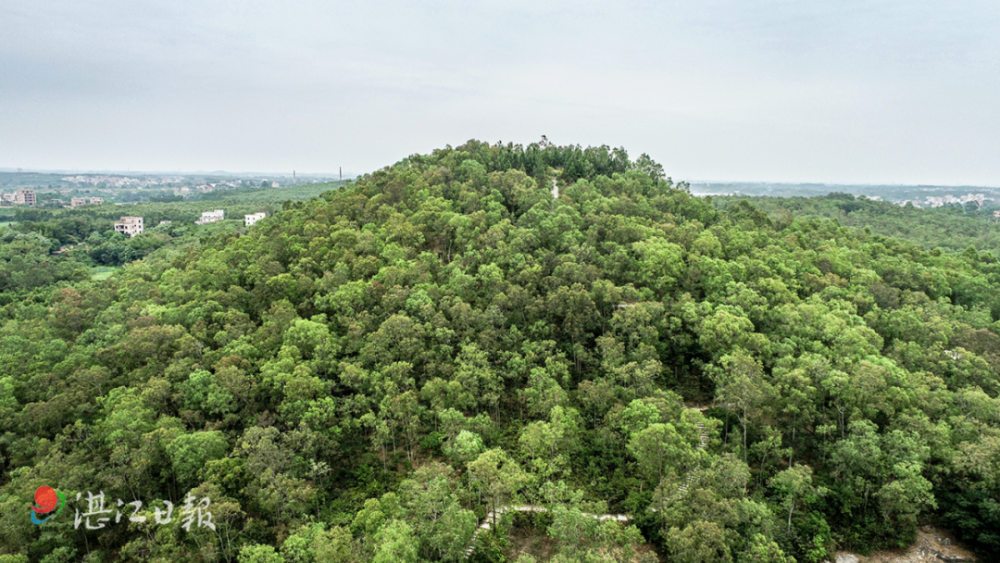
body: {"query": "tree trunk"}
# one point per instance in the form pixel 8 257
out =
pixel 744 436
pixel 791 507
pixel 791 448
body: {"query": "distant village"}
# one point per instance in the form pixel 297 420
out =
pixel 117 187
pixel 119 181
pixel 128 225
pixel 30 198
pixel 133 226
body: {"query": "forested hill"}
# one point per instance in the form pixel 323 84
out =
pixel 367 374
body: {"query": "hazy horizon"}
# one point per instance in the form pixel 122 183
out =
pixel 695 183
pixel 14 170
pixel 874 93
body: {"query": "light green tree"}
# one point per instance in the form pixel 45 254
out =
pixel 795 487
pixel 395 543
pixel 699 542
pixel 257 553
pixel 496 478
pixel 740 386
pixel 763 550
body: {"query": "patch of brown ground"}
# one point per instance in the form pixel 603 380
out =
pixel 535 542
pixel 527 539
pixel 933 545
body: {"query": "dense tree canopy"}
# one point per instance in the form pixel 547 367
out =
pixel 368 374
pixel 953 227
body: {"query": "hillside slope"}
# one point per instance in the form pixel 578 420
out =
pixel 368 374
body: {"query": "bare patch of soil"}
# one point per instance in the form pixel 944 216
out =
pixel 535 542
pixel 933 545
pixel 525 539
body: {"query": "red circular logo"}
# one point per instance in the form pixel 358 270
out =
pixel 45 499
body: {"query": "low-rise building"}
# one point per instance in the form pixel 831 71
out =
pixel 78 201
pixel 250 220
pixel 24 197
pixel 130 226
pixel 211 217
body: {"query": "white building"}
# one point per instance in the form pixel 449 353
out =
pixel 130 226
pixel 211 217
pixel 250 220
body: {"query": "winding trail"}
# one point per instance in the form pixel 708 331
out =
pixel 495 515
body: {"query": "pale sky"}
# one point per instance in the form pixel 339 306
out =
pixel 743 90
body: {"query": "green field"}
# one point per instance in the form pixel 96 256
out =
pixel 293 192
pixel 100 273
